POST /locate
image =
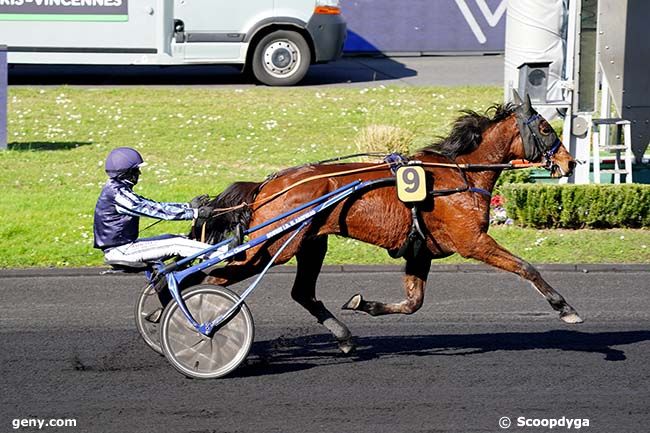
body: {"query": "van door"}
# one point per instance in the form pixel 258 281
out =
pixel 119 32
pixel 216 28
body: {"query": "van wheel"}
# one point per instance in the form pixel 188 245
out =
pixel 281 58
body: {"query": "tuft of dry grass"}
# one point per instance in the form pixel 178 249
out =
pixel 384 139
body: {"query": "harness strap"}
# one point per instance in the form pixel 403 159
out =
pixel 395 161
pixel 532 118
pixel 485 192
pixel 414 240
pixel 554 148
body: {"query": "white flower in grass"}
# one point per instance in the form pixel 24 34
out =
pixel 270 124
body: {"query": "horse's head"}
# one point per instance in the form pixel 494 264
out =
pixel 539 140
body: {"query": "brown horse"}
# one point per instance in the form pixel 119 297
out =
pixel 453 219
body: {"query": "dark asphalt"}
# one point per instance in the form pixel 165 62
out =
pixel 485 345
pixel 347 72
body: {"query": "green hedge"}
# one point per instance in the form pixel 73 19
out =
pixel 578 206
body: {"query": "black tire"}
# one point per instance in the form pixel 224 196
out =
pixel 196 355
pixel 281 58
pixel 146 304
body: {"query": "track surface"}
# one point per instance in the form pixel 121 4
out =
pixel 346 72
pixel 485 345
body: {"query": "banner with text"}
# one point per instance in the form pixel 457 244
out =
pixel 64 10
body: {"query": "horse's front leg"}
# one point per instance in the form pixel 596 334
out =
pixel 310 260
pixel 415 280
pixel 488 251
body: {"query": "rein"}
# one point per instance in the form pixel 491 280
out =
pixel 513 165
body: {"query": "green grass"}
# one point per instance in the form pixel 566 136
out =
pixel 200 140
pixel 538 246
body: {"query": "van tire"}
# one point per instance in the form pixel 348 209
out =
pixel 281 58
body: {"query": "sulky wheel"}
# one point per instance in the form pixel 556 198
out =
pixel 147 317
pixel 196 355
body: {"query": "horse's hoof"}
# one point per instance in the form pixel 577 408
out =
pixel 347 346
pixel 571 317
pixel 353 303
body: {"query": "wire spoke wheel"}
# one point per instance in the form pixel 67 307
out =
pixel 196 355
pixel 146 310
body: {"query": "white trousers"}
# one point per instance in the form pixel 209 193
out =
pixel 161 247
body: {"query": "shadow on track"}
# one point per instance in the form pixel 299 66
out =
pixel 346 70
pixel 294 354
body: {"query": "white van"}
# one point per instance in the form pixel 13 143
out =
pixel 277 39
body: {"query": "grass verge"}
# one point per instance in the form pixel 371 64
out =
pixel 200 140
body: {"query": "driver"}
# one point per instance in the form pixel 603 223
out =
pixel 118 211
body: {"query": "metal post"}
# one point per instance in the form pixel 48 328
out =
pixel 596 152
pixel 578 144
pixel 3 96
pixel 627 139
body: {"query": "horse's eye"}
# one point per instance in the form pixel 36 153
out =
pixel 545 128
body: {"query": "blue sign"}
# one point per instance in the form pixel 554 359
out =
pixel 425 26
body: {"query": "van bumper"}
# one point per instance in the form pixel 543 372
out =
pixel 328 33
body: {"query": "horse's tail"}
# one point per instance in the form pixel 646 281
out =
pixel 224 219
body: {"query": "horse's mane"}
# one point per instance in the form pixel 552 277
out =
pixel 467 132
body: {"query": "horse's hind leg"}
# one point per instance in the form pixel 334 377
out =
pixel 415 281
pixel 488 251
pixel 310 260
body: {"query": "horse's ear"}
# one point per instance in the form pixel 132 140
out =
pixel 529 105
pixel 516 97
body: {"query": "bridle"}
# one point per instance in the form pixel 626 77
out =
pixel 536 145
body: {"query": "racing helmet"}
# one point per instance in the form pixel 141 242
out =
pixel 122 161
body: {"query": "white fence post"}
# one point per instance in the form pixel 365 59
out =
pixel 3 96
